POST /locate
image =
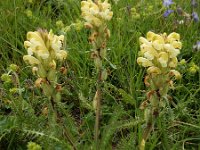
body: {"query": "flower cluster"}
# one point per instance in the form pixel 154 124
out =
pixel 96 13
pixel 158 53
pixel 44 51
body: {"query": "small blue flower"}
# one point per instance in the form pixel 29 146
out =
pixel 195 17
pixel 167 3
pixel 167 13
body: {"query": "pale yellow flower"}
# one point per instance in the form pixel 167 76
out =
pixel 42 44
pixel 173 62
pixel 144 62
pixel 173 37
pixel 31 60
pixel 163 59
pixel 159 50
pixel 96 13
pixel 154 70
pixel 175 73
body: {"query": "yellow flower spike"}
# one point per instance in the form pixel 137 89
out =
pixel 153 70
pixel 175 73
pixel 144 62
pixel 158 54
pixel 163 59
pixel 31 60
pixel 173 62
pixel 96 13
pixel 43 45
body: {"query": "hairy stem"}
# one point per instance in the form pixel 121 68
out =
pixel 98 110
pixel 56 119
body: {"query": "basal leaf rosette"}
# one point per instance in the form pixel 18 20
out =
pixel 44 50
pixel 158 53
pixel 96 13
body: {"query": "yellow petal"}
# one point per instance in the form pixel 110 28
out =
pixel 61 55
pixel 163 59
pixel 173 62
pixel 173 37
pixel 176 44
pixel 144 62
pixel 31 60
pixel 175 73
pixel 158 44
pixel 153 70
pixel 150 36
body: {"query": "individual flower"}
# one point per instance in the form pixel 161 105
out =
pixel 96 13
pixel 195 17
pixel 167 3
pixel 193 68
pixel 33 146
pixel 29 13
pixel 6 78
pixel 167 12
pixel 59 24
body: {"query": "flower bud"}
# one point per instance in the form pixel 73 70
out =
pixel 175 73
pixel 13 67
pixel 6 78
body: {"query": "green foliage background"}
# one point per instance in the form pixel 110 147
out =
pixel 21 117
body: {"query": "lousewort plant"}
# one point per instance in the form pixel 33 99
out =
pixel 96 15
pixel 158 53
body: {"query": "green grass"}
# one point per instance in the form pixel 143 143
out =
pixel 122 124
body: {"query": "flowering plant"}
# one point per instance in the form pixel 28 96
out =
pixel 158 53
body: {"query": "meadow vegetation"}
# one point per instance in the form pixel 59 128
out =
pixel 92 92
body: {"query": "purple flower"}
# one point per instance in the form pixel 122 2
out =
pixel 167 13
pixel 195 17
pixel 167 3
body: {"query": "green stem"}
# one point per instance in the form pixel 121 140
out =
pixel 146 133
pixel 56 119
pixel 98 110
